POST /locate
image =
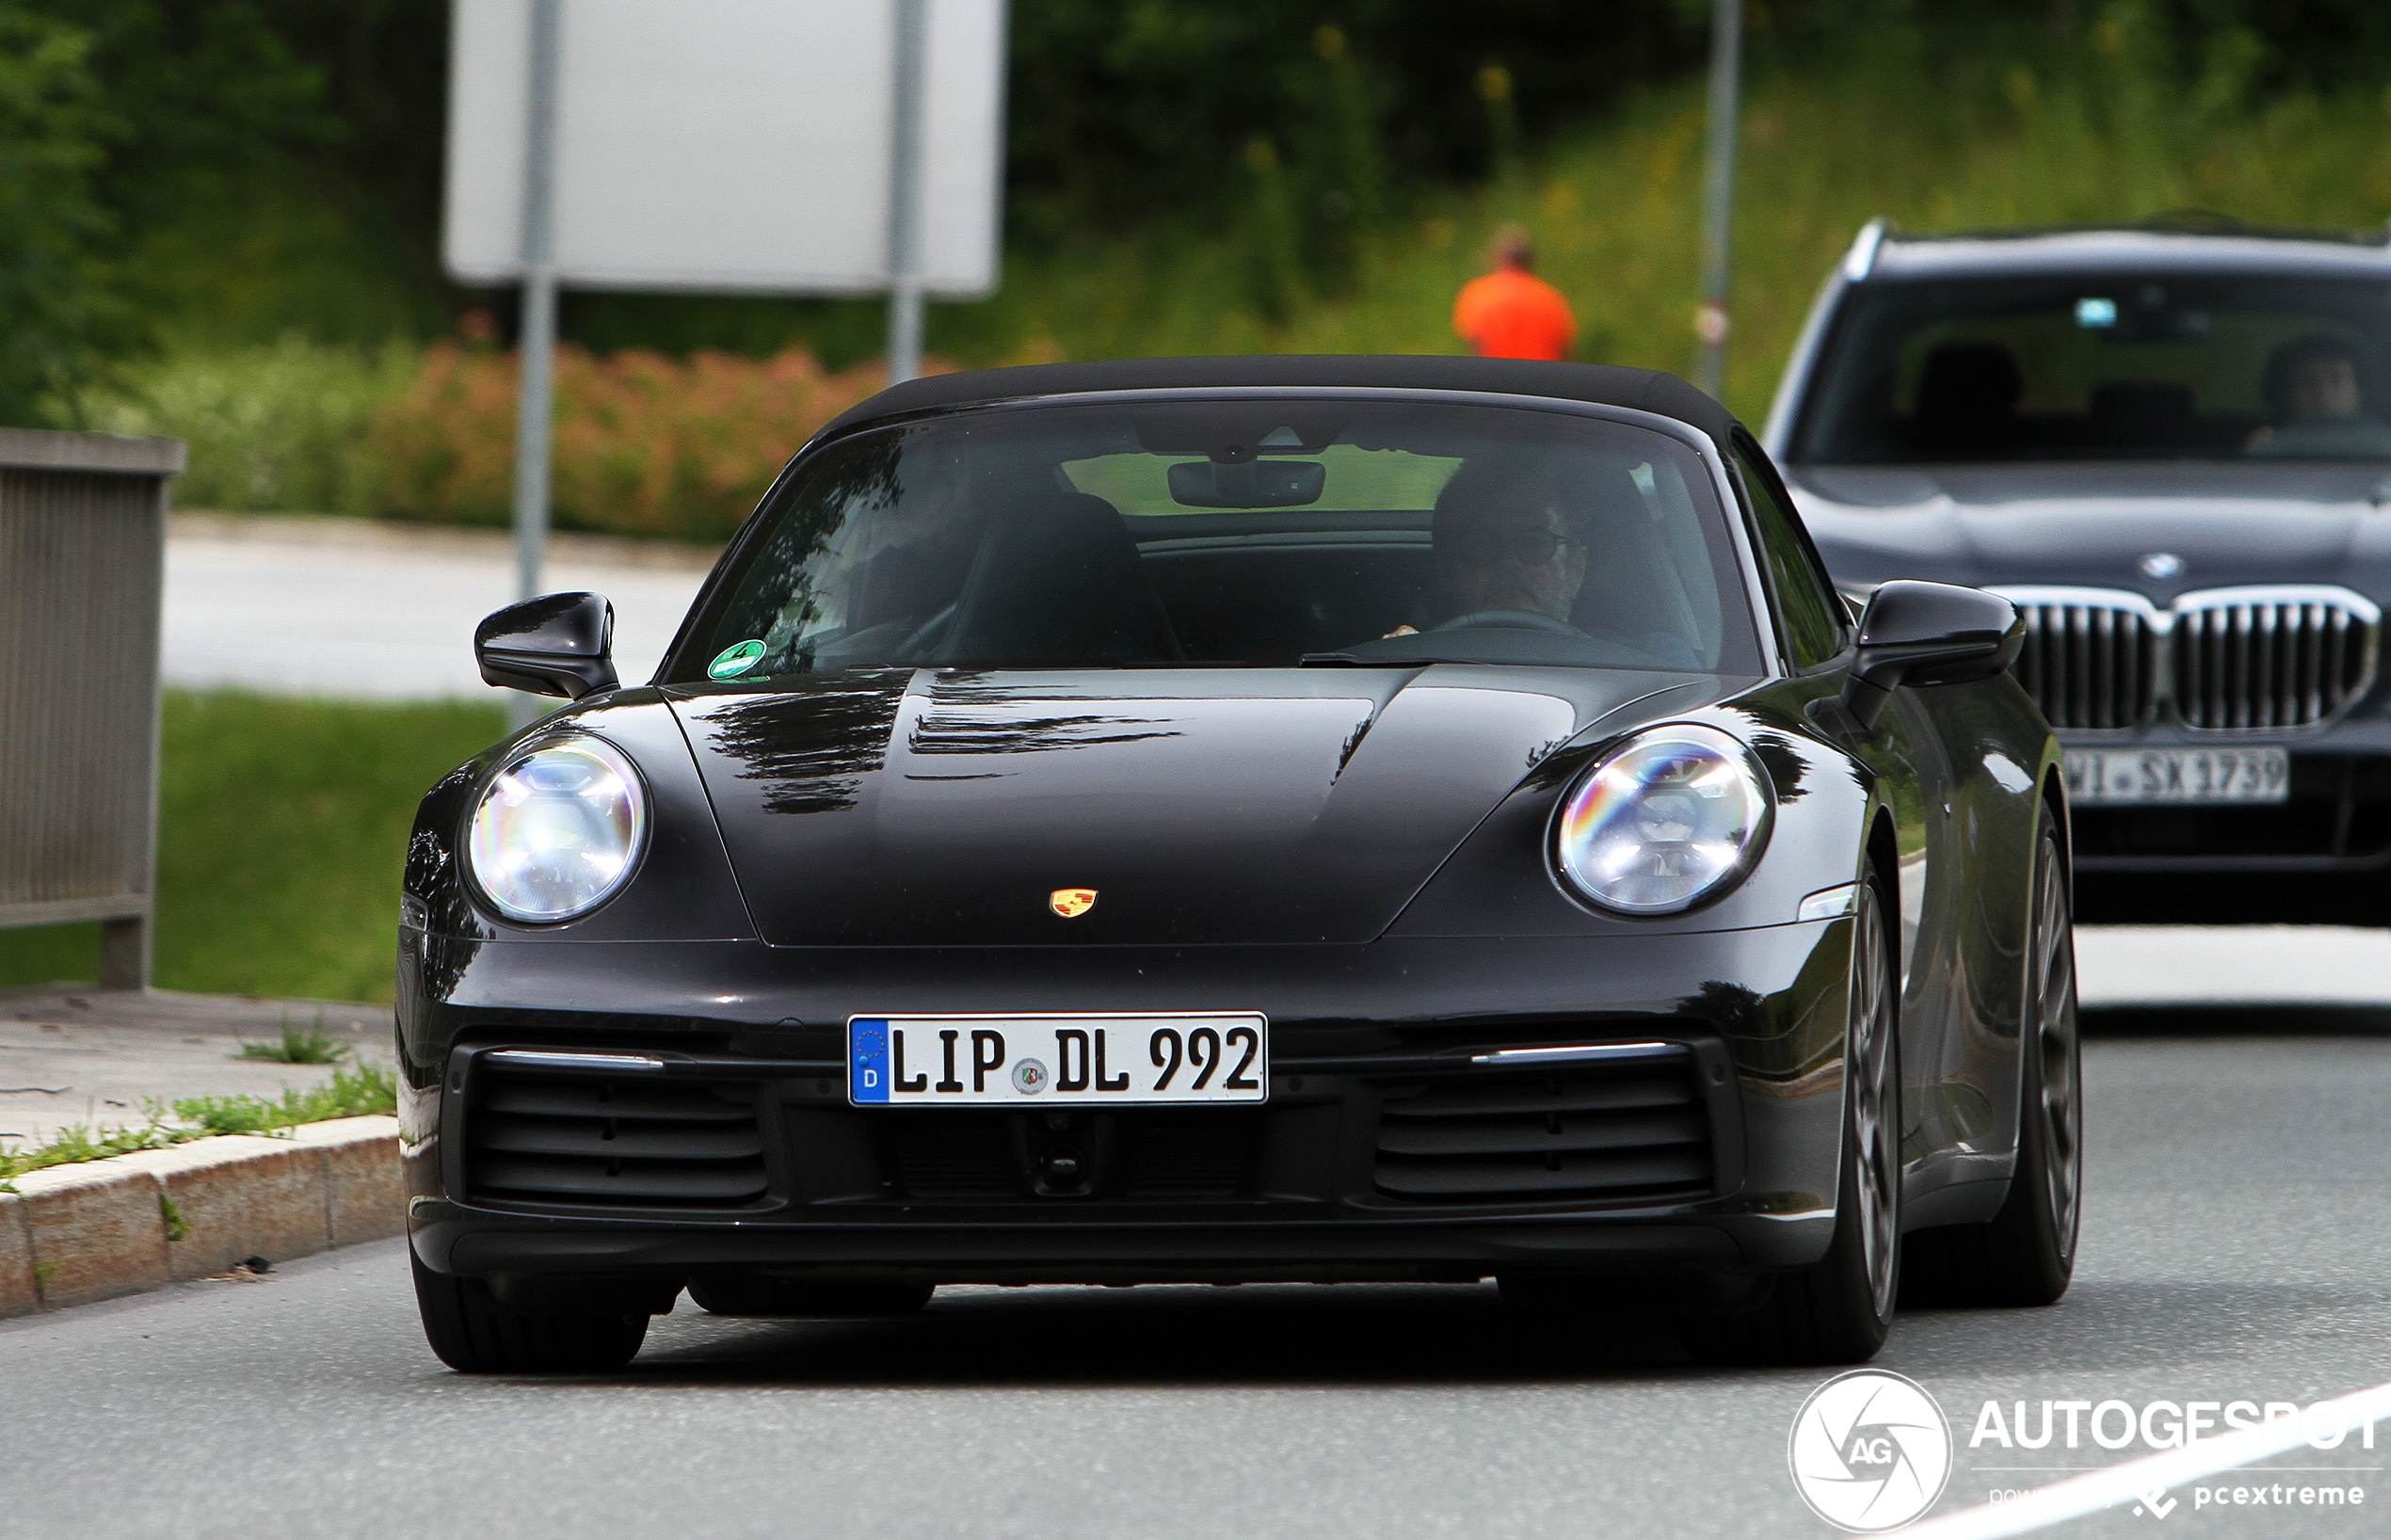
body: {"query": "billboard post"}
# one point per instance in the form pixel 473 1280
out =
pixel 1711 321
pixel 804 148
pixel 535 414
pixel 905 192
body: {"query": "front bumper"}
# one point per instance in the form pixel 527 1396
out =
pixel 1384 1150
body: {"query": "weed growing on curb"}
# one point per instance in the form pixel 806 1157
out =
pixel 359 1092
pixel 176 1226
pixel 314 1046
pixel 350 1093
pixel 83 1142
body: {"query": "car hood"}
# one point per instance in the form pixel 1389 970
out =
pixel 2225 523
pixel 924 809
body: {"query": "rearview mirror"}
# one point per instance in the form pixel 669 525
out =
pixel 1254 483
pixel 1923 634
pixel 558 644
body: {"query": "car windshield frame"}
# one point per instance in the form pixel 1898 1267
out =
pixel 1749 643
pixel 1850 365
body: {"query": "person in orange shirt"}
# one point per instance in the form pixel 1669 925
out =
pixel 1510 312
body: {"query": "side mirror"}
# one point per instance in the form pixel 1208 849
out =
pixel 1922 633
pixel 558 644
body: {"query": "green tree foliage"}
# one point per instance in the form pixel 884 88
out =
pixel 251 166
pixel 58 310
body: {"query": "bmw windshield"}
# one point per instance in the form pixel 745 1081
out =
pixel 2116 367
pixel 1272 533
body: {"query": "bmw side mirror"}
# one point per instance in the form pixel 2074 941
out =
pixel 558 644
pixel 1922 633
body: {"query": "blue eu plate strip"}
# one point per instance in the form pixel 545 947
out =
pixel 868 1060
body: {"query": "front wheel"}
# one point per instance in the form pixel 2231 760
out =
pixel 475 1334
pixel 2026 1253
pixel 1839 1310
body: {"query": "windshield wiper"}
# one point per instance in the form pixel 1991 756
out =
pixel 1354 660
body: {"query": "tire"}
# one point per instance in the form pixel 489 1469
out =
pixel 473 1334
pixel 755 1294
pixel 1839 1310
pixel 2026 1253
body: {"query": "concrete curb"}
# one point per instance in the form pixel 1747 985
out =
pixel 72 1234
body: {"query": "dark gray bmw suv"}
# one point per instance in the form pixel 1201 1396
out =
pixel 2168 445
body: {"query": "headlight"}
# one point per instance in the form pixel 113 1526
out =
pixel 1668 818
pixel 557 830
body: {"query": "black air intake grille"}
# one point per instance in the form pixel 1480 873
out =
pixel 1625 1131
pixel 601 1142
pixel 966 1158
pixel 1166 1159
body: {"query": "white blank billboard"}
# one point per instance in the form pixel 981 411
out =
pixel 727 146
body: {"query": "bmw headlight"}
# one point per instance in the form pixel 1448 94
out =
pixel 1668 818
pixel 557 830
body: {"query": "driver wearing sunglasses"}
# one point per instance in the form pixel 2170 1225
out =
pixel 1505 542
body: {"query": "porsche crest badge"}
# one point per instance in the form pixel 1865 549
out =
pixel 1070 902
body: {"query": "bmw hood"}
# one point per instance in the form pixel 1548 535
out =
pixel 2159 529
pixel 930 808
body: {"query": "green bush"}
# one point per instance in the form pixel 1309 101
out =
pixel 284 427
pixel 2128 121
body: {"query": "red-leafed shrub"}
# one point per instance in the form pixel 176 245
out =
pixel 644 445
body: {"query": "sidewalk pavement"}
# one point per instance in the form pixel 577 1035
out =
pixel 361 609
pixel 71 1055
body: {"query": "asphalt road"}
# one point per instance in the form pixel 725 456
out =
pixel 365 611
pixel 2234 1247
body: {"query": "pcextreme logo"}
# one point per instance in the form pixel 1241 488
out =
pixel 1869 1451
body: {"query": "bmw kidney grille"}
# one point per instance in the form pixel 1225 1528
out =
pixel 2226 660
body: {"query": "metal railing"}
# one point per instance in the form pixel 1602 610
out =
pixel 82 573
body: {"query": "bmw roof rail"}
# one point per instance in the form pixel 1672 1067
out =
pixel 1862 256
pixel 2187 221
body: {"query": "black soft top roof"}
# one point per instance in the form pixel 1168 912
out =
pixel 1643 390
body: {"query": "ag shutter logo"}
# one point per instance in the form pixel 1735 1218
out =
pixel 1869 1451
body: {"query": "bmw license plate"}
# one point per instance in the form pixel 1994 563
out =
pixel 2107 777
pixel 1022 1060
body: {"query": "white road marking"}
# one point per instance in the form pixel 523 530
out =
pixel 2232 965
pixel 2147 1480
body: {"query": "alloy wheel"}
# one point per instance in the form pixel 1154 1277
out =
pixel 1875 1136
pixel 2061 1103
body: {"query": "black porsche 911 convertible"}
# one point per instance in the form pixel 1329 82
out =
pixel 1251 819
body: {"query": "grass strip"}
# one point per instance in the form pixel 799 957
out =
pixel 359 1092
pixel 283 832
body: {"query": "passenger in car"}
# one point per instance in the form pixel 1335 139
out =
pixel 2312 387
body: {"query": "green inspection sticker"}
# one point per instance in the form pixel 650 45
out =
pixel 735 660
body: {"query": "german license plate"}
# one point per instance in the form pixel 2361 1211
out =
pixel 1024 1061
pixel 2098 778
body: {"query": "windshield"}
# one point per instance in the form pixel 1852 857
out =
pixel 1219 532
pixel 2123 367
